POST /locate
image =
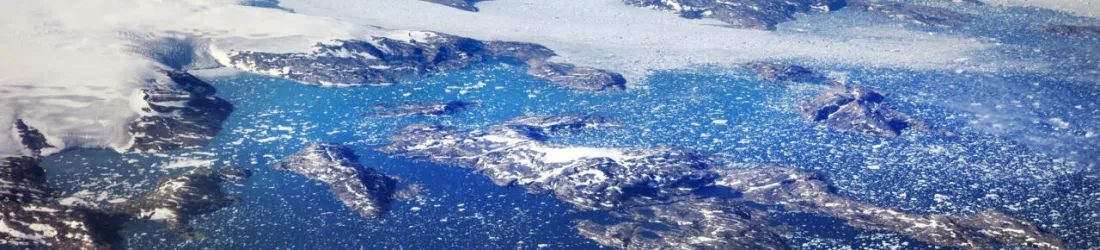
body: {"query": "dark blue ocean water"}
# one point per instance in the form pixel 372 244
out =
pixel 1026 144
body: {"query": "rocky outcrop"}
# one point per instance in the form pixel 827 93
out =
pixel 467 5
pixel 808 191
pixel 420 109
pixel 654 194
pixel 859 110
pixel 53 226
pixel 182 113
pixel 751 14
pixel 687 223
pixel 590 178
pixel 783 72
pixel 583 78
pixel 925 15
pixel 178 198
pixel 1070 30
pixel 23 181
pixel 550 124
pixel 363 190
pixel 383 60
pixel 33 140
pixel 30 218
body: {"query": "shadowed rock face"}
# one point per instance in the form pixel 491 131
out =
pixel 926 15
pixel 783 72
pixel 29 218
pixel 182 114
pixel 467 5
pixel 23 181
pixel 690 223
pixel 386 61
pixel 651 192
pixel 857 109
pixel 420 109
pixel 177 198
pixel 751 14
pixel 1069 30
pixel 363 190
pixel 32 140
pixel 808 191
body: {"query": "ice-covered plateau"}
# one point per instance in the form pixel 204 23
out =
pixel 386 60
pixel 658 185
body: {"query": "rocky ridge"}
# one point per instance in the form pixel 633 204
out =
pixel 859 110
pixel 178 198
pixel 590 178
pixel 687 223
pixel 652 193
pixel 30 217
pixel 180 113
pixel 809 191
pixel 386 60
pixel 363 190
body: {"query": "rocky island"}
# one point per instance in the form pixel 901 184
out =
pixel 550 124
pixel 653 192
pixel 363 190
pixel 178 198
pixel 859 110
pixel 590 178
pixel 772 71
pixel 386 60
pixel 420 109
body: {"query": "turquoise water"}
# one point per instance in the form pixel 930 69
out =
pixel 1013 151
